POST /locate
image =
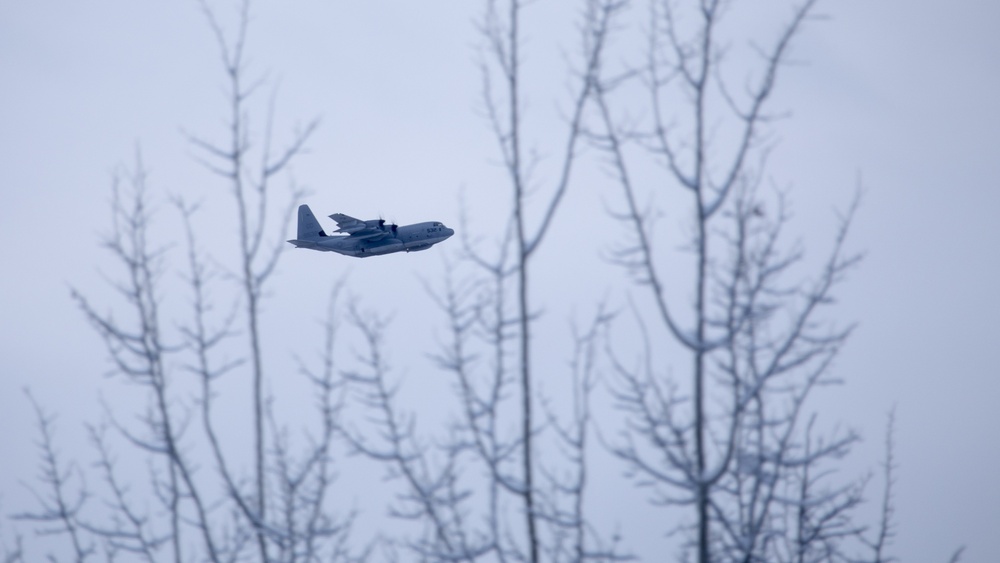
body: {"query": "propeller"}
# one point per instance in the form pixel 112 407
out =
pixel 382 223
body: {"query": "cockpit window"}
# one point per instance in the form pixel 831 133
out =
pixel 437 224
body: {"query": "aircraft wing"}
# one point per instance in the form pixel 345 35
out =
pixel 369 230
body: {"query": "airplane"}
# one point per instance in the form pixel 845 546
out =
pixel 367 238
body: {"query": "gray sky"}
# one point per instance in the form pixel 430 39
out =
pixel 901 94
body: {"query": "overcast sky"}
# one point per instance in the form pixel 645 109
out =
pixel 903 95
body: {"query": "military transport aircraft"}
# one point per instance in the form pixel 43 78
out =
pixel 367 238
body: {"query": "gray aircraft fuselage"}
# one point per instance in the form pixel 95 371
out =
pixel 368 238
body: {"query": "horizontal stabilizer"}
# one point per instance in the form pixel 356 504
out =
pixel 306 244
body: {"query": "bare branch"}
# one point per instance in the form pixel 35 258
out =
pixel 60 507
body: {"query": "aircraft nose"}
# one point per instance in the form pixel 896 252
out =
pixel 448 232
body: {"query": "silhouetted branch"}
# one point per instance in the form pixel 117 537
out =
pixel 252 197
pixel 757 345
pixel 15 555
pixel 130 530
pixel 59 506
pixel 501 34
pixel 887 526
pixel 563 506
pixel 139 351
pixel 431 495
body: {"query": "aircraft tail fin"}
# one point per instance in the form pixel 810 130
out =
pixel 309 227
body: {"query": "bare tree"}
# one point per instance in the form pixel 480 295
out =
pixel 503 44
pixel 159 354
pixel 139 354
pixel 250 184
pixel 61 504
pixel 433 495
pixel 732 443
pixel 573 536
